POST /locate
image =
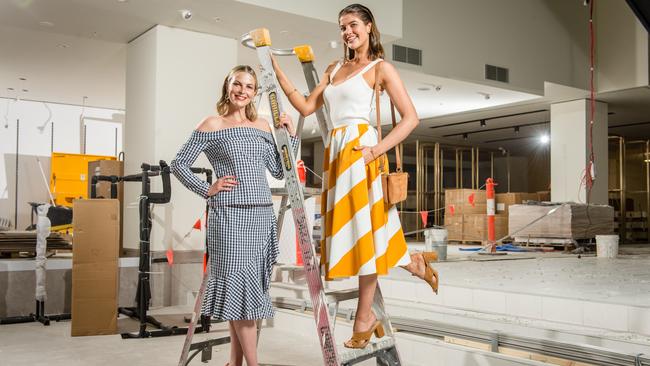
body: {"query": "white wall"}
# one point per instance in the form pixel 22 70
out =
pixel 570 152
pixel 537 40
pixel 621 49
pixel 37 142
pixel 174 79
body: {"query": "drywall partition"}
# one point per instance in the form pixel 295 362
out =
pixel 174 79
pixel 536 40
pixel 621 48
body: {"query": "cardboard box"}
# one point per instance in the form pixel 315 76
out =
pixel 544 196
pixel 95 256
pixel 473 227
pixel 109 167
pixel 460 198
pixel 454 226
pixel 505 200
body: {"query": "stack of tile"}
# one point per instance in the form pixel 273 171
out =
pixel 570 221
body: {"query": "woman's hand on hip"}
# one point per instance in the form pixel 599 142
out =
pixel 366 152
pixel 225 183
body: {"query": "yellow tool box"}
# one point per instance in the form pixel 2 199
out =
pixel 69 177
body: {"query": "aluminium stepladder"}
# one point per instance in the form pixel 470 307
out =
pixel 384 350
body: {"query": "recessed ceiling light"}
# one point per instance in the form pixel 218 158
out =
pixel 284 32
pixel 63 45
pixel 217 19
pixel 424 88
pixel 122 1
pixel 10 89
pixel 46 24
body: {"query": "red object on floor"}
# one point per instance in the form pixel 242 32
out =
pixel 491 211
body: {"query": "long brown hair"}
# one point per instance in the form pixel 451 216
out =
pixel 375 50
pixel 223 105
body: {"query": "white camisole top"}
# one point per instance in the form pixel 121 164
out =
pixel 350 102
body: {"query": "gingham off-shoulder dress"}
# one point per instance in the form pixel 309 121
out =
pixel 242 228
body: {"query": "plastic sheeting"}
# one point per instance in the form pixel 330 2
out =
pixel 42 232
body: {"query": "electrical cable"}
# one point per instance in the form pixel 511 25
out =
pixel 589 173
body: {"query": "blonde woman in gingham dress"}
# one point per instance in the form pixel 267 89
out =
pixel 362 235
pixel 242 229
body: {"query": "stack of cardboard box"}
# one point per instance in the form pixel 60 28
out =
pixel 95 266
pixel 468 223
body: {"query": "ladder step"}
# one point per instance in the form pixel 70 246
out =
pixel 337 296
pixel 354 355
pixel 307 191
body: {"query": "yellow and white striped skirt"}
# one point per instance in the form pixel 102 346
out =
pixel 361 234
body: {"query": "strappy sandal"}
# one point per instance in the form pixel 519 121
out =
pixel 361 339
pixel 429 272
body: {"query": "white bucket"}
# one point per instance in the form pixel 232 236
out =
pixel 606 246
pixel 435 240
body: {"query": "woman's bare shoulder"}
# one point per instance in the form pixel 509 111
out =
pixel 262 124
pixel 209 124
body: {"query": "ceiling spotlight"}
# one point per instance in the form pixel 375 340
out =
pixel 45 23
pixel 438 87
pixel 483 123
pixel 63 45
pixel 186 14
pixel 544 139
pixel 516 129
pixel 465 136
pixel 424 88
pixel 217 19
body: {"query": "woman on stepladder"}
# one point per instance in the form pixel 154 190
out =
pixel 362 235
pixel 242 229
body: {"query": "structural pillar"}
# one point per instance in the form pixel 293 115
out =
pixel 174 80
pixel 570 145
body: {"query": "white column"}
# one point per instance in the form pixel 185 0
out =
pixel 174 79
pixel 570 151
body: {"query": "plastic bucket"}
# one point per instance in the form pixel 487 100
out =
pixel 435 240
pixel 606 246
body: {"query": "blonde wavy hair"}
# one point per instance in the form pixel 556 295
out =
pixel 223 105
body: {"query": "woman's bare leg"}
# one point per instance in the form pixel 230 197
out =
pixel 236 352
pixel 364 318
pixel 247 334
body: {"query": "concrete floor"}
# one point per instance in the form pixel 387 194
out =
pixel 586 300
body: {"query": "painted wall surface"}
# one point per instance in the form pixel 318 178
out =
pixel 174 80
pixel 45 127
pixel 570 148
pixel 621 49
pixel 537 40
pixel 388 13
